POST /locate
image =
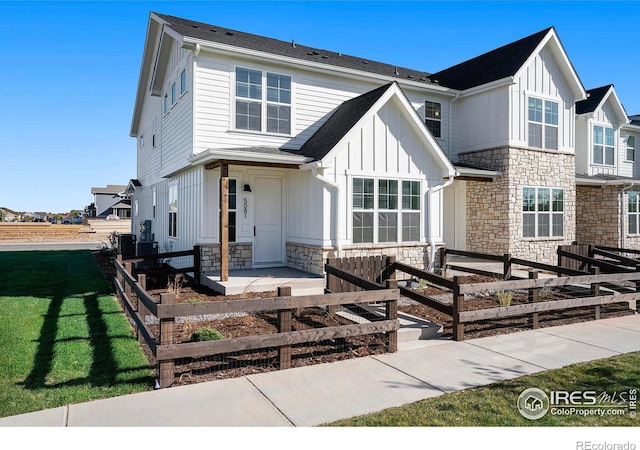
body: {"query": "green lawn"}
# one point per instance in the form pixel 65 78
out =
pixel 63 336
pixel 495 405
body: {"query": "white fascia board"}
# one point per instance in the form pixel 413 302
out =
pixel 558 50
pixel 414 120
pixel 145 69
pixel 229 50
pixel 163 51
pixel 245 156
pixel 617 106
pixel 631 127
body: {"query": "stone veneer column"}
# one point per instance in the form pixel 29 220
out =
pixel 494 209
pixel 598 215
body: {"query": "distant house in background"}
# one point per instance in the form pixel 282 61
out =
pixel 110 200
pixel 7 215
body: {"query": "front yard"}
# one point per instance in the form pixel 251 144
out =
pixel 63 336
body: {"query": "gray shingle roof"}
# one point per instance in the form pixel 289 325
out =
pixel 491 66
pixel 240 39
pixel 594 97
pixel 635 120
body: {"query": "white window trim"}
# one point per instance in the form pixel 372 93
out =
pixel 635 149
pixel 551 237
pixel 263 102
pixel 376 178
pixel 636 214
pixel 604 126
pixel 433 118
pixel 173 185
pixel 174 95
pixel 154 204
pixel 544 98
pixel 183 92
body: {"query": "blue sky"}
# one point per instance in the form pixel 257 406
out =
pixel 70 69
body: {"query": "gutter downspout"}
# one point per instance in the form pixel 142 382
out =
pixel 450 145
pixel 432 247
pixel 336 186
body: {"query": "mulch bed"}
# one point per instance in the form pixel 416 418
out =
pixel 243 363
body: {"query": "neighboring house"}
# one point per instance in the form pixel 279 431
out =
pixel 608 175
pixel 269 153
pixel 513 143
pixel 106 198
pixel 8 215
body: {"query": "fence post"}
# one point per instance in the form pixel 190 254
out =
pixel 332 284
pixel 443 260
pixel 390 269
pixel 533 298
pixel 140 308
pixel 167 329
pixel 391 307
pixel 458 307
pixel 196 264
pixel 559 260
pixel 127 286
pixel 595 291
pixel 284 325
pixel 506 266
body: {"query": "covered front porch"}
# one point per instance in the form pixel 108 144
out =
pixel 265 280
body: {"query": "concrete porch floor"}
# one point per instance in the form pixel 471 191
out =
pixel 261 280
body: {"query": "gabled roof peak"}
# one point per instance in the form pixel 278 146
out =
pixel 494 65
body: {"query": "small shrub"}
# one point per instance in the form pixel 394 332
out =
pixel 504 298
pixel 206 334
pixel 192 300
pixel 175 283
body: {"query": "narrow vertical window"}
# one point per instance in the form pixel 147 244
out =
pixel 278 103
pixel 387 211
pixel 165 104
pixel 410 211
pixel 233 206
pixel 433 117
pixel 173 210
pixel 153 204
pixel 174 96
pixel 543 123
pixel 633 211
pixel 248 99
pixel 363 203
pixel 183 81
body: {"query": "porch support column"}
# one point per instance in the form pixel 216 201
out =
pixel 224 222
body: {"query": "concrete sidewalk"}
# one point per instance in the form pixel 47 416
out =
pixel 314 395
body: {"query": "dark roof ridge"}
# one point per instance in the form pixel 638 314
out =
pixel 490 66
pixel 214 33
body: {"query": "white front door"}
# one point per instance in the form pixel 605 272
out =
pixel 268 249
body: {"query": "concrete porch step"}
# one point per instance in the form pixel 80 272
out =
pixel 264 280
pixel 412 329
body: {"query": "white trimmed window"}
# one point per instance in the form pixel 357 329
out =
pixel 233 206
pixel 543 123
pixel 631 148
pixel 384 213
pixel 603 145
pixel 183 81
pixel 153 204
pixel 135 207
pixel 173 210
pixel 165 104
pixel 433 117
pixel 263 101
pixel 542 212
pixel 174 94
pixel 633 212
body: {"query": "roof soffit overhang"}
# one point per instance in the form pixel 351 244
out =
pixel 230 50
pixel 552 40
pixel 240 156
pixel 167 38
pixel 413 118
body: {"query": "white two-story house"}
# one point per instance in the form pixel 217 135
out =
pixel 269 153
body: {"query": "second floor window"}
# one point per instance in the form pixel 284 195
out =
pixel 183 81
pixel 543 123
pixel 433 117
pixel 631 148
pixel 263 101
pixel 603 145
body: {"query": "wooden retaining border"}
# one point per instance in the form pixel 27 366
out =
pixel 138 302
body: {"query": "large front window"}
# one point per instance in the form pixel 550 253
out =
pixel 385 210
pixel 542 212
pixel 603 145
pixel 263 101
pixel 543 123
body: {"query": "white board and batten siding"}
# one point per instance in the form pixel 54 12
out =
pixel 387 147
pixel 542 78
